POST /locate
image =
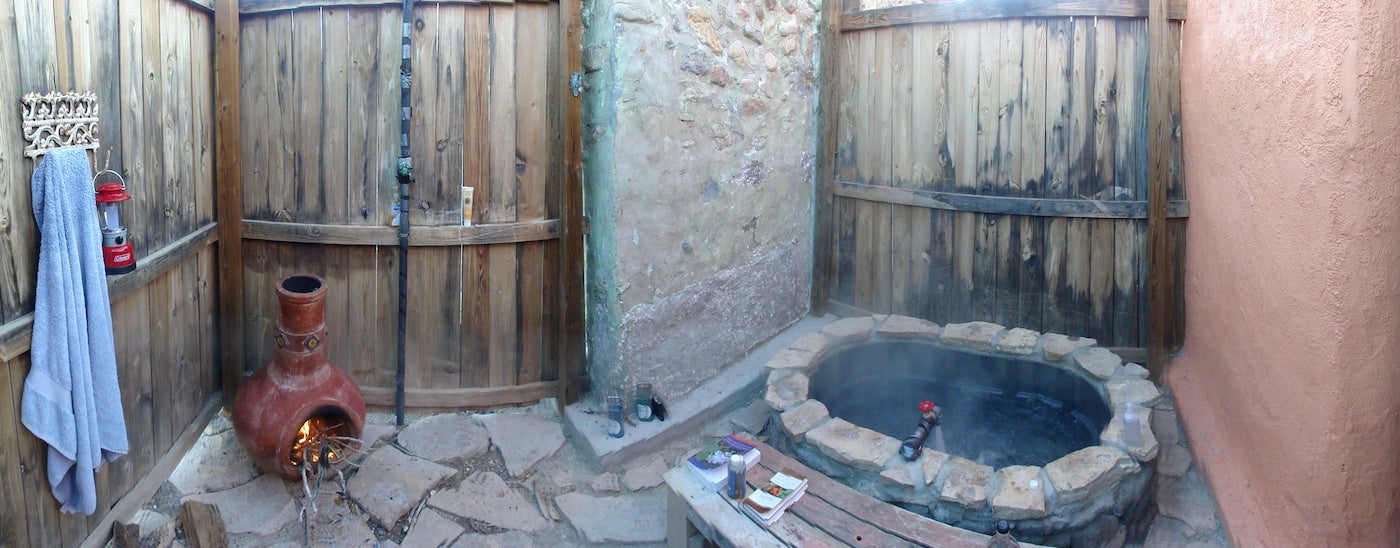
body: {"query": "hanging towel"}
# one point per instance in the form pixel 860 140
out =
pixel 71 396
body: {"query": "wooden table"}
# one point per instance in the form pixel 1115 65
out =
pixel 829 514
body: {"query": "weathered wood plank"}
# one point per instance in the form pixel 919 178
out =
pixel 475 340
pixel 229 164
pixel 1007 155
pixel 13 510
pixel 929 112
pixel 370 274
pixel 571 336
pixel 817 523
pixel 973 10
pixel 1159 153
pixel 899 111
pixel 844 251
pixel 434 317
pixel 304 185
pixel 334 133
pixel 502 347
pixel 462 398
pixel 1079 154
pixel 828 116
pixel 501 206
pixel 1105 109
pixel 15 206
pixel 176 191
pixel 429 236
pixel 249 7
pixel 367 83
pixel 897 521
pixel 437 126
pixel 164 303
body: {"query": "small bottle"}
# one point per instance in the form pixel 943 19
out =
pixel 736 485
pixel 615 416
pixel 1132 425
pixel 643 402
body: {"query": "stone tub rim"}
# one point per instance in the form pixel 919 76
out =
pixel 1003 493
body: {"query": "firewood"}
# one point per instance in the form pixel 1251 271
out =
pixel 204 527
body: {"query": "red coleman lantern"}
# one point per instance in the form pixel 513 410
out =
pixel 116 249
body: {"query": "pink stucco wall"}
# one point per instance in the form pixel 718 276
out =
pixel 1289 381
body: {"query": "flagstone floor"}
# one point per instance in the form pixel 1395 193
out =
pixel 509 478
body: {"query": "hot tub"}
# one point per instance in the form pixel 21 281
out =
pixel 1032 424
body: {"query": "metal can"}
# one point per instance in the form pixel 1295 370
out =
pixel 615 416
pixel 736 485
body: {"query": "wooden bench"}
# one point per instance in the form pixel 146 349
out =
pixel 829 514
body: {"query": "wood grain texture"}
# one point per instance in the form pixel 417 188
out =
pixel 1159 154
pixel 973 10
pixel 248 7
pixel 429 236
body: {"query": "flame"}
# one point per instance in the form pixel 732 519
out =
pixel 316 442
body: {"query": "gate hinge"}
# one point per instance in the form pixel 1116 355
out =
pixel 576 83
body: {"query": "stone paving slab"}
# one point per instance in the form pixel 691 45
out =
pixel 615 520
pixel 1020 496
pixel 1018 341
pixel 645 475
pixel 1187 499
pixel 907 327
pixel 485 497
pixel 390 483
pixel 1085 471
pixel 261 506
pixel 508 539
pixel 445 437
pixel 978 335
pixel 432 529
pixel 966 483
pixel 850 329
pixel 215 463
pixel 524 440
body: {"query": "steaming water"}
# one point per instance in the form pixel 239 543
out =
pixel 996 411
pixel 938 444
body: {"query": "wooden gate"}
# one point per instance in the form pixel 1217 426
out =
pixel 990 162
pixel 493 307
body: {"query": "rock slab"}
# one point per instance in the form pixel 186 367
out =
pixel 645 475
pixel 966 483
pixel 977 335
pixel 1021 496
pixel 852 445
pixel 432 529
pixel 630 519
pixel 907 327
pixel 1057 346
pixel 261 506
pixel 485 497
pixel 215 463
pixel 1087 471
pixel 445 437
pixel 390 483
pixel 1099 362
pixel 803 418
pixel 849 329
pixel 786 389
pixel 524 440
pixel 1018 341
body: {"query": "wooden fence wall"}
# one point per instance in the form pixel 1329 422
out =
pixel 320 134
pixel 990 163
pixel 150 64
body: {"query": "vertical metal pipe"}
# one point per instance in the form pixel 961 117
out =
pixel 405 177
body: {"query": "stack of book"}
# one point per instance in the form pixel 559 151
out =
pixel 711 464
pixel 767 503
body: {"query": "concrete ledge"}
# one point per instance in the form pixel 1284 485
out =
pixel 742 381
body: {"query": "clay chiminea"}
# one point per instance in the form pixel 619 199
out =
pixel 300 393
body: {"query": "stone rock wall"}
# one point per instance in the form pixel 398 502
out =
pixel 699 134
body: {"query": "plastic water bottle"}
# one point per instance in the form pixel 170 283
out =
pixel 1132 425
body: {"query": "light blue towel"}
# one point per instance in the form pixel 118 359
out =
pixel 71 397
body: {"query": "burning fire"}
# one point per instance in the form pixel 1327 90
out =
pixel 318 442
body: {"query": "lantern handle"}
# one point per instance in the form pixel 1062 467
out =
pixel 100 173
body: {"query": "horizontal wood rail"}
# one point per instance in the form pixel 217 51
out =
pixel 495 233
pixel 462 398
pixel 1007 205
pixel 956 11
pixel 207 6
pixel 15 335
pixel 247 7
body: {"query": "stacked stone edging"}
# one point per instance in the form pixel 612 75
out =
pixel 1081 498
